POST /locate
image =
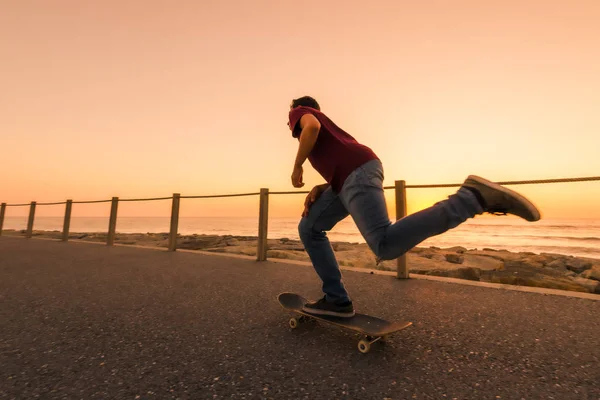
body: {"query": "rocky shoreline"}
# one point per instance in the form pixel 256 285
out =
pixel 547 270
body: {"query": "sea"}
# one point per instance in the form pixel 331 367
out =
pixel 576 237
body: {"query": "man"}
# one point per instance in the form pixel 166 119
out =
pixel 354 177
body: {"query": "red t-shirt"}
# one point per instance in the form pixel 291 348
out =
pixel 335 154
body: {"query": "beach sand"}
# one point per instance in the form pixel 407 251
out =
pixel 548 270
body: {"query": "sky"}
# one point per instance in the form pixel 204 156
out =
pixel 149 98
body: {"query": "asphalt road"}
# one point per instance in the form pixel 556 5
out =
pixel 84 321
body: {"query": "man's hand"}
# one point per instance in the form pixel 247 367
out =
pixel 297 176
pixel 314 194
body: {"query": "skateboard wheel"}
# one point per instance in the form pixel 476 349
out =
pixel 364 346
pixel 293 323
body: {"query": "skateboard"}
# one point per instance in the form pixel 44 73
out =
pixel 372 328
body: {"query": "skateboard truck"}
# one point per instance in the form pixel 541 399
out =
pixel 364 345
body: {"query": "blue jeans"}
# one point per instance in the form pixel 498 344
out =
pixel 362 197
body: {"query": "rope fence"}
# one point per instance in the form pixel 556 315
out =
pixel 506 183
pixel 212 196
pixel 91 201
pixel 149 199
pixel 400 202
pixel 51 204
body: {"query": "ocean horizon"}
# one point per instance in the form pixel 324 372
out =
pixel 575 237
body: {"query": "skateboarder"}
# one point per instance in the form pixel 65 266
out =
pixel 354 176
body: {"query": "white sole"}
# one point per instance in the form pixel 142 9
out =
pixel 534 211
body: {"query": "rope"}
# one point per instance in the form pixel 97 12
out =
pixel 526 182
pixel 150 199
pixel 442 185
pixel 92 201
pixel 302 192
pixel 220 195
pixel 591 178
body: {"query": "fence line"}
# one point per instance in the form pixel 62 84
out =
pixel 92 201
pixel 52 204
pixel 294 192
pixel 149 199
pixel 399 187
pixel 212 196
pixel 506 183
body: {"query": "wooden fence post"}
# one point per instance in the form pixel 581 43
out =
pixel 401 267
pixel 29 233
pixel 263 222
pixel 174 222
pixel 67 223
pixel 2 211
pixel 112 222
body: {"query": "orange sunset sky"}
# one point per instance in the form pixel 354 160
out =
pixel 147 98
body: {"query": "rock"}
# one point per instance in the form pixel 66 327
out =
pixel 557 264
pixel 525 269
pixel 538 281
pixel 553 255
pixel 437 257
pixel 527 253
pixel 537 260
pixel 216 250
pixel 416 262
pixel 200 242
pixel 522 263
pixel 245 250
pixel 591 285
pixel 232 242
pixel 457 249
pixel 592 273
pixel 296 248
pixel 577 265
pixel 284 240
pixel 482 262
pixel 432 255
pixel 497 255
pixel 455 258
pixel 472 274
pixel 289 255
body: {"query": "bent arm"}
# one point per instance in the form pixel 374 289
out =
pixel 308 137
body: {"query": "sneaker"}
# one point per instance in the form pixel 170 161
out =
pixel 323 307
pixel 496 199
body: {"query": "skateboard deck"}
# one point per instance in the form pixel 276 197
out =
pixel 374 329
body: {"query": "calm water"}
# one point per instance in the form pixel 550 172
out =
pixel 577 237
